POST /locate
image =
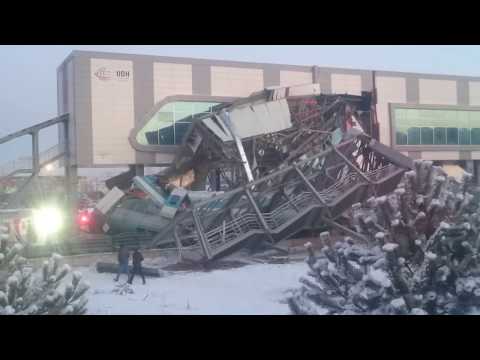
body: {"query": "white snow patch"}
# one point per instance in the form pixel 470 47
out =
pixel 418 311
pixel 444 225
pixel 389 247
pixel 398 303
pixel 379 277
pixel 250 290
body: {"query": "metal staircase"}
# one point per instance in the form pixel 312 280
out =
pixel 306 195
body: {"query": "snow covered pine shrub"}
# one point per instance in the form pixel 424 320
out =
pixel 26 292
pixel 421 255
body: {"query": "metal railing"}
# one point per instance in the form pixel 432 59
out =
pixel 27 164
pixel 277 204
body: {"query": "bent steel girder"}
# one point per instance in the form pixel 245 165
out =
pixel 313 120
pixel 290 199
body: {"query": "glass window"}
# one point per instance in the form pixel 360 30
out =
pixel 440 136
pixel 180 130
pixel 414 136
pixel 166 136
pixel 464 136
pixel 183 116
pixel 152 137
pixel 171 121
pixel 452 136
pixel 427 136
pixel 183 107
pixel 437 126
pixel 202 107
pixel 401 138
pixel 475 136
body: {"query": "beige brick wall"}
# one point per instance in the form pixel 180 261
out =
pixel 345 83
pixel 236 82
pixel 474 91
pixel 171 79
pixel 289 78
pixel 438 92
pixel 112 113
pixel 390 90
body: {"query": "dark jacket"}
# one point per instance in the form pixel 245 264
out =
pixel 123 256
pixel 137 259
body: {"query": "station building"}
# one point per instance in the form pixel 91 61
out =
pixel 130 110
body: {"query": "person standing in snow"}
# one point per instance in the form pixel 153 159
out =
pixel 137 259
pixel 123 257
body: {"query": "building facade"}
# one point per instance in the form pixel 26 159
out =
pixel 133 109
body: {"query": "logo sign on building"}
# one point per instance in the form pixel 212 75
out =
pixel 105 74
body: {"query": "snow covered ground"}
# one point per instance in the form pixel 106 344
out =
pixel 253 289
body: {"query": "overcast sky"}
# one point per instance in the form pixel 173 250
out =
pixel 28 73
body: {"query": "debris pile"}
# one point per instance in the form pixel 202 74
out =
pixel 421 255
pixel 274 128
pixel 307 195
pixel 242 142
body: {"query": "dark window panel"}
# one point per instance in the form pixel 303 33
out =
pixel 427 136
pixel 452 136
pixel 166 136
pixel 180 130
pixel 475 136
pixel 414 136
pixel 440 136
pixel 401 138
pixel 464 136
pixel 152 137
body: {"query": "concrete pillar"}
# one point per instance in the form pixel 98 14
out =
pixel 71 174
pixel 139 170
pixel 71 188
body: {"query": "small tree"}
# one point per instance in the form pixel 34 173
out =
pixel 422 255
pixel 24 291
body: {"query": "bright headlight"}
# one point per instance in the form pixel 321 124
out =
pixel 47 221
